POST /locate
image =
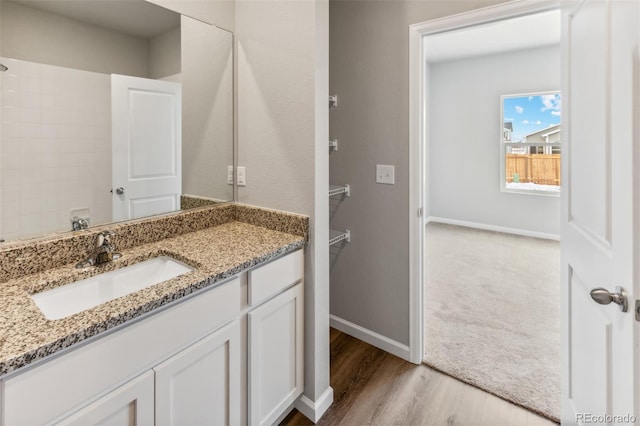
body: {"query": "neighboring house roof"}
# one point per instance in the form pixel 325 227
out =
pixel 550 134
pixel 508 125
pixel 553 132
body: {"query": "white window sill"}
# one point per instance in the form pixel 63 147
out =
pixel 532 189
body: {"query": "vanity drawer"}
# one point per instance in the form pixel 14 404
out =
pixel 56 387
pixel 268 280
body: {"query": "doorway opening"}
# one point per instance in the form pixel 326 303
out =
pixel 485 300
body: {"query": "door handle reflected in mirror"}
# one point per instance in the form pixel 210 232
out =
pixel 604 297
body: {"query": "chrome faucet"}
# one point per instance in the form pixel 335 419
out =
pixel 104 252
pixel 78 223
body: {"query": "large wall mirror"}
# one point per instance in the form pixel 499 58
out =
pixel 111 110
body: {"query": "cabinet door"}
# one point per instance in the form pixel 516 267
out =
pixel 130 404
pixel 276 356
pixel 201 384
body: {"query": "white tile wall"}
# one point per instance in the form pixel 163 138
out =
pixel 55 147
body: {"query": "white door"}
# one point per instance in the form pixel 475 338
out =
pixel 147 146
pixel 201 384
pixel 599 234
pixel 129 405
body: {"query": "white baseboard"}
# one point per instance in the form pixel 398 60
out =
pixel 502 229
pixel 371 337
pixel 285 413
pixel 314 410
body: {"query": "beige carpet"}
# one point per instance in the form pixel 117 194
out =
pixel 492 313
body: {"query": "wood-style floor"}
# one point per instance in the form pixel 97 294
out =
pixel 372 387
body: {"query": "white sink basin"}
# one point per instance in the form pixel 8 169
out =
pixel 78 296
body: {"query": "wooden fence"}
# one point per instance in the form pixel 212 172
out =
pixel 542 169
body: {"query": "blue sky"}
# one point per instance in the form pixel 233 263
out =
pixel 530 113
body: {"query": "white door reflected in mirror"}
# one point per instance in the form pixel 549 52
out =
pixel 147 146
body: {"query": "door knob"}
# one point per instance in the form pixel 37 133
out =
pixel 604 297
pixel 120 190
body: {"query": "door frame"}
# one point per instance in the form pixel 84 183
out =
pixel 419 143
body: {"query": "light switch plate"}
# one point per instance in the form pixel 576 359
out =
pixel 230 175
pixel 385 174
pixel 241 176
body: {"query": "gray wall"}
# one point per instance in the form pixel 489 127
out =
pixel 42 37
pixel 282 140
pixel 464 164
pixel 165 54
pixel 369 60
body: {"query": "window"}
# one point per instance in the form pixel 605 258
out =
pixel 530 143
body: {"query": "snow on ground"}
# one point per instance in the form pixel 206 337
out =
pixel 533 186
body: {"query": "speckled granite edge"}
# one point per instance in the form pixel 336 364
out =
pixel 27 337
pixel 276 220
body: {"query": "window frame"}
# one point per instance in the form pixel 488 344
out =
pixel 503 146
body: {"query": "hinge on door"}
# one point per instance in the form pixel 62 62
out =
pixel 637 310
pixel 420 212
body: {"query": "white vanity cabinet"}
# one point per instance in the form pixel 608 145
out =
pixel 228 355
pixel 276 362
pixel 88 380
pixel 198 386
pixel 130 404
pixel 276 339
pixel 201 385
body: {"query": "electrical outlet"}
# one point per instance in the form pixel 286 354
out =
pixel 385 174
pixel 241 176
pixel 230 175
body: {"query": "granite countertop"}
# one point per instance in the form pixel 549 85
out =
pixel 218 252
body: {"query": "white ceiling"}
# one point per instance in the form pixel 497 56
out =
pixel 541 29
pixel 134 17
